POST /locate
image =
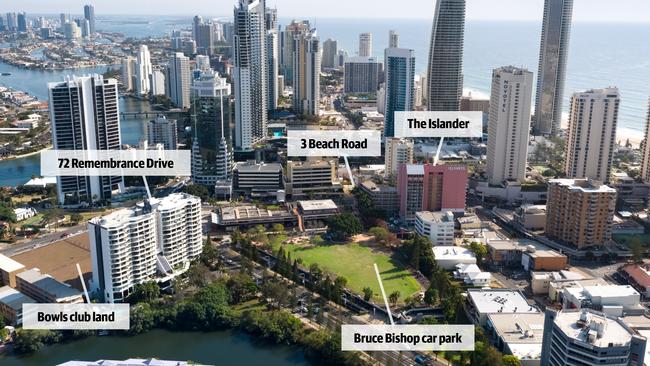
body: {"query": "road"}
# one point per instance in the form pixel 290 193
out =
pixel 43 240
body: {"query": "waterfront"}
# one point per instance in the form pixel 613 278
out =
pixel 213 348
pixel 18 171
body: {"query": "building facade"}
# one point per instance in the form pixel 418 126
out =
pixel 178 80
pixel 509 124
pixel 645 150
pixel 212 115
pixel 592 134
pixel 553 50
pixel 437 226
pixel 85 115
pixel 152 242
pixel 398 151
pixel 250 74
pixel 162 131
pixel 430 188
pixel 365 45
pixel 587 337
pixel 143 71
pixel 361 75
pixel 306 73
pixel 399 65
pixel 445 78
pixel 580 212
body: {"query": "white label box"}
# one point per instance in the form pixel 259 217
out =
pixel 76 316
pixel 438 124
pixel 116 163
pixel 414 337
pixel 334 143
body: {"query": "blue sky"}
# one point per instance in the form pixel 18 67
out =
pixel 584 10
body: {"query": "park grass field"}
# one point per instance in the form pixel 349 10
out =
pixel 355 263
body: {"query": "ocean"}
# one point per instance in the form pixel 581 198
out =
pixel 600 54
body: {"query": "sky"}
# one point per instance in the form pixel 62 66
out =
pixel 523 10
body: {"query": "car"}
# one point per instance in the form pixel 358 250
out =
pixel 423 360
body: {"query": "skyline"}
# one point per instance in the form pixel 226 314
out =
pixel 629 11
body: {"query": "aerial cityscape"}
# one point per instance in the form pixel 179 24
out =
pixel 248 185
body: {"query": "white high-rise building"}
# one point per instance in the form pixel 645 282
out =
pixel 553 50
pixel 72 32
pixel 128 73
pixel 203 62
pixel 157 82
pixel 645 150
pixel 509 124
pixel 306 74
pixel 593 117
pixel 152 242
pixel 162 131
pixel 273 67
pixel 393 39
pixel 398 151
pixel 365 45
pixel 178 80
pixel 85 115
pixel 249 74
pixel 143 71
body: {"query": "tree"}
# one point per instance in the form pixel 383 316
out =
pixel 342 226
pixel 242 288
pixel 479 250
pixel 431 295
pixel 144 292
pixel 278 228
pixel 210 254
pixel 637 249
pixel 394 297
pixel 367 293
pixel 510 360
pixel 52 216
pixel 76 218
pixel 380 234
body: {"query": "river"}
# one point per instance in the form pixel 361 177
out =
pixel 213 348
pixel 18 171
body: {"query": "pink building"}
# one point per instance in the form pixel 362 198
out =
pixel 430 188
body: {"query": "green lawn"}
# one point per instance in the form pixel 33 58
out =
pixel 355 263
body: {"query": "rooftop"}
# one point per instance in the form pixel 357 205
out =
pixel 252 167
pixel 9 265
pixel 452 252
pixel 500 301
pixel 583 185
pixel 374 187
pixel 523 333
pixel 48 284
pixel 315 205
pixel 593 327
pixel 14 299
pixel 438 217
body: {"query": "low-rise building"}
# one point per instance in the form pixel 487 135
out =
pixel 531 217
pixel 519 335
pixel 448 257
pixel 472 275
pixel 540 282
pixel 9 268
pixel 637 276
pixel 529 254
pixel 314 213
pixel 46 289
pixel 556 288
pixel 257 179
pixel 23 213
pixel 483 302
pixel 312 178
pixel 614 300
pixel 11 305
pixel 437 226
pixel 231 218
pixel 383 196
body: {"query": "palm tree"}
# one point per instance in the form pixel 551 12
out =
pixel 393 297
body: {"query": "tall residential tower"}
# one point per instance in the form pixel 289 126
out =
pixel 556 28
pixel 445 71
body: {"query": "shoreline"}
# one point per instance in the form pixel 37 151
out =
pixel 14 157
